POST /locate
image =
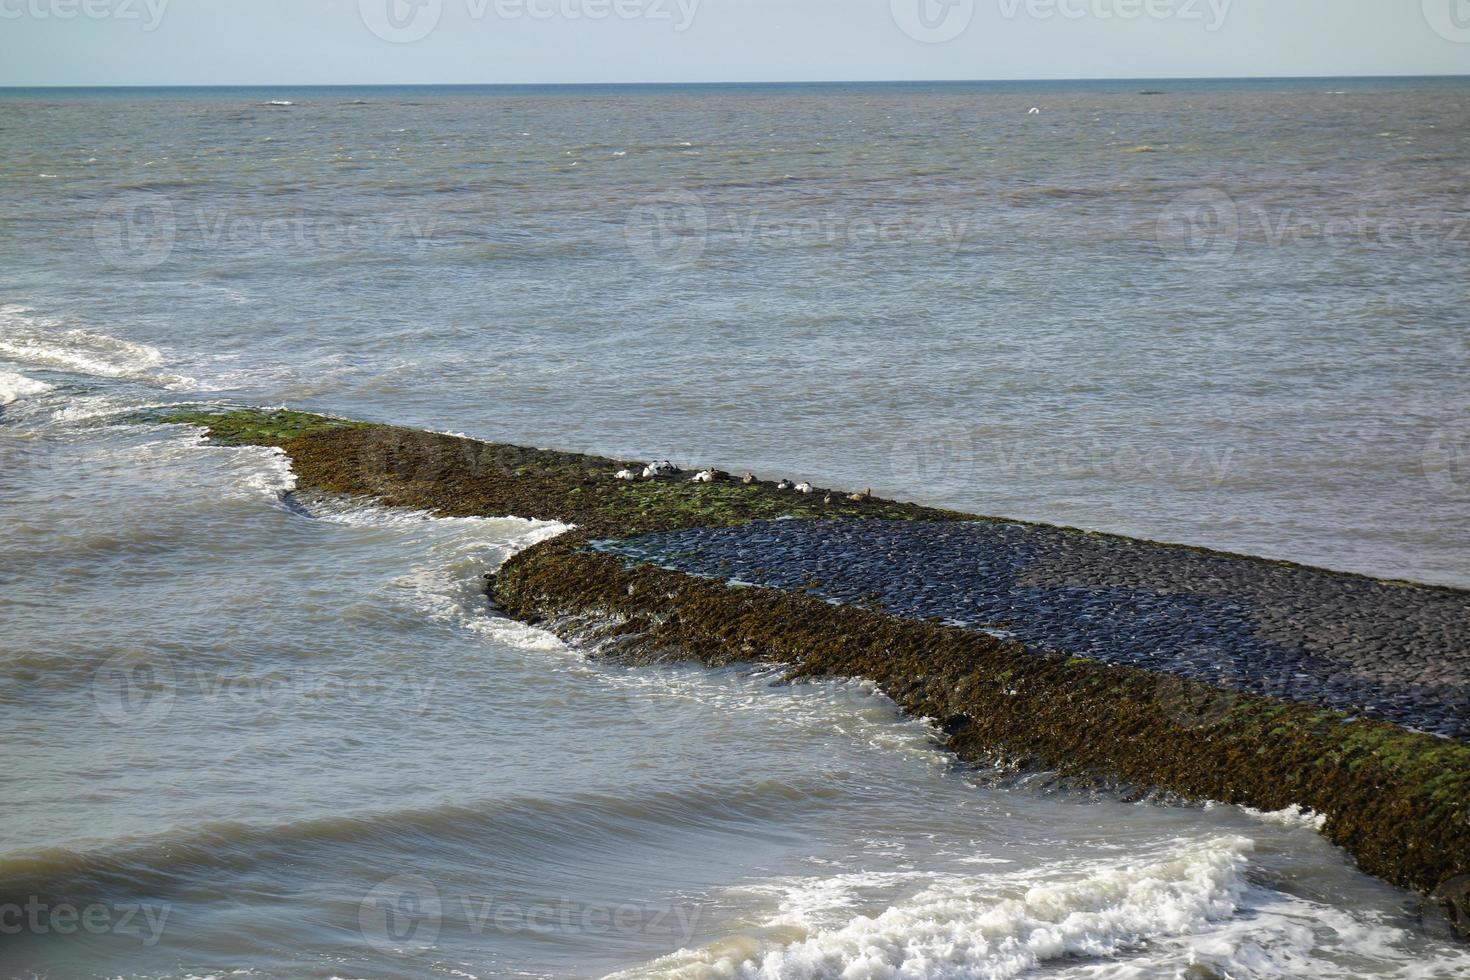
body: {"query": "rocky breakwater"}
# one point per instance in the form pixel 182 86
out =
pixel 1209 675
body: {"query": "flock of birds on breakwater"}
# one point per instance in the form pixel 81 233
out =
pixel 664 469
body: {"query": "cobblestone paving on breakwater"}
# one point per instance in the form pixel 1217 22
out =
pixel 1381 649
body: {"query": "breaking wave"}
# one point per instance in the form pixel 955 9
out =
pixel 965 928
pixel 45 342
pixel 14 387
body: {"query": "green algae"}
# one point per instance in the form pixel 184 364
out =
pixel 254 427
pixel 456 476
pixel 414 456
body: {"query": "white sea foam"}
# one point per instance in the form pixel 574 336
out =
pixel 14 387
pixel 254 471
pixel 30 338
pixel 447 584
pixel 1290 816
pixel 273 474
pixel 987 927
pixel 86 407
pixel 666 695
pixel 1191 910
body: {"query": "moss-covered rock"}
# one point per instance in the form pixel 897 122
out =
pixel 254 426
pixel 1397 800
pixel 462 477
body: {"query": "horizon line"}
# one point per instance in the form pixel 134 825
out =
pixel 776 82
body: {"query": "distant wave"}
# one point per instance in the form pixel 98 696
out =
pixel 33 339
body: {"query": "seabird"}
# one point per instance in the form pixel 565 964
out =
pixel 804 488
pixel 784 485
pixel 659 469
pixel 862 496
pixel 626 475
pixel 704 476
pixel 748 478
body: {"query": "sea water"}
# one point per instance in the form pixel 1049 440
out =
pixel 258 733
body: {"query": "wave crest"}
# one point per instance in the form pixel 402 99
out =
pixel 965 928
pixel 14 387
pixel 43 342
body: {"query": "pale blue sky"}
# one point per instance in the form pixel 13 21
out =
pixel 293 42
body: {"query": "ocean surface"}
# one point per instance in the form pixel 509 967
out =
pixel 251 733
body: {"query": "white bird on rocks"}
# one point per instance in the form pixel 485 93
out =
pixel 704 476
pixel 784 485
pixel 659 469
pixel 804 488
pixel 626 475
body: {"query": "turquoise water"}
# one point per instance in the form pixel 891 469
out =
pixel 292 738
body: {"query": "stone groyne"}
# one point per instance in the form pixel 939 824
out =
pixel 1210 675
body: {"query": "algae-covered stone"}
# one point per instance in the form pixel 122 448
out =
pixel 1397 800
pixel 255 427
